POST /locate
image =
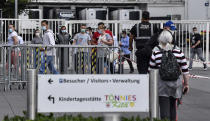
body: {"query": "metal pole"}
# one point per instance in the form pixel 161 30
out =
pixel 16 9
pixel 31 94
pixel 111 117
pixel 207 42
pixel 153 86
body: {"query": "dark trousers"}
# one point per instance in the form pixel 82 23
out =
pixel 167 108
pixel 142 62
pixel 63 52
pixel 129 62
pixel 111 68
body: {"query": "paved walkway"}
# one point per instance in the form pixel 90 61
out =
pixel 12 102
pixel 196 105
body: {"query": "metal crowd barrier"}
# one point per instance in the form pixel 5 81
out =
pixel 26 28
pixel 67 59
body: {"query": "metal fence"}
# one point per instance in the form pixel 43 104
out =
pixel 183 35
pixel 15 60
pixel 108 1
pixel 30 56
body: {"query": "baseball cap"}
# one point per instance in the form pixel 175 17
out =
pixel 170 24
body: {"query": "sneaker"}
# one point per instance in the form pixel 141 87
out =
pixel 204 67
pixel 189 69
pixel 131 71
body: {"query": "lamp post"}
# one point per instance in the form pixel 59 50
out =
pixel 16 9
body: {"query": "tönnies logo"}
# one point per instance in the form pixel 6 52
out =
pixel 120 101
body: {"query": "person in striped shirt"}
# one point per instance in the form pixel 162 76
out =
pixel 169 91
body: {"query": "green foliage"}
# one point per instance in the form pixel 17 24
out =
pixel 51 117
pixel 139 119
pixel 8 7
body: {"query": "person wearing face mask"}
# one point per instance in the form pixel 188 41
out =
pixel 13 36
pixel 49 40
pixel 124 44
pixel 63 38
pixel 104 40
pixel 13 40
pixel 96 36
pixel 82 38
pixel 89 31
pixel 81 55
pixel 196 48
pixel 37 40
pixel 98 33
pixel 36 37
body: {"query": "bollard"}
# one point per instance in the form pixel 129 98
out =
pixel 31 93
pixel 111 117
pixel 154 98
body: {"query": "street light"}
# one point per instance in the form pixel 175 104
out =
pixel 16 9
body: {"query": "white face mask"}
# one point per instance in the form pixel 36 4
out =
pixel 37 34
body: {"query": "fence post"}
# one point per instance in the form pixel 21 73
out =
pixel 31 93
pixel 111 117
pixel 153 92
pixel 207 42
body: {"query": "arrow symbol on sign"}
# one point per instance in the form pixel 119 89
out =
pixel 50 81
pixel 50 98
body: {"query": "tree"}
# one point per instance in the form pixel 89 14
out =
pixel 8 7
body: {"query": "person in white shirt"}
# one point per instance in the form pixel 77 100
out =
pixel 48 39
pixel 13 40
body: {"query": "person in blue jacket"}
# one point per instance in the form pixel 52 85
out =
pixel 124 44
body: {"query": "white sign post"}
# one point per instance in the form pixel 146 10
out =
pixel 93 93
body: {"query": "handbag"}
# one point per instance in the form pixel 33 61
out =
pixel 113 56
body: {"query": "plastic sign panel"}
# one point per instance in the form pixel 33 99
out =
pixel 93 93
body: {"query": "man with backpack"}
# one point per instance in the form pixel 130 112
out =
pixel 196 48
pixel 171 63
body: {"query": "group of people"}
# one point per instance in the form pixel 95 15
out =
pixel 152 44
pixel 86 36
pixel 103 37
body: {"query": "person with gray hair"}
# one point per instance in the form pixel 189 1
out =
pixel 169 91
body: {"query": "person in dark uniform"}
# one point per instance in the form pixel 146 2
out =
pixel 63 38
pixel 141 33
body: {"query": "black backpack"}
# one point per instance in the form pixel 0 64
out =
pixel 169 69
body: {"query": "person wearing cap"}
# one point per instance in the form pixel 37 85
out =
pixel 169 26
pixel 196 48
pixel 141 33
